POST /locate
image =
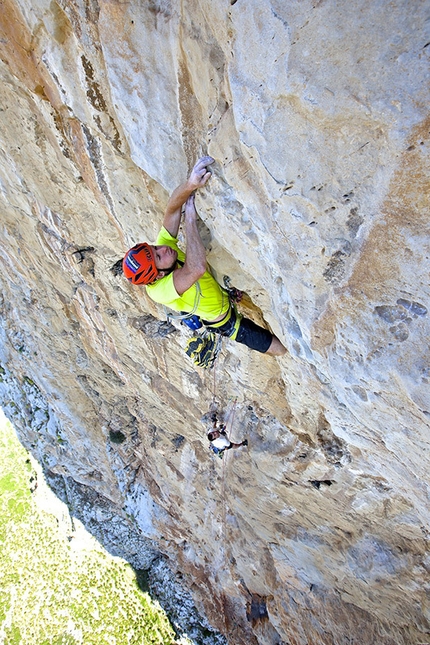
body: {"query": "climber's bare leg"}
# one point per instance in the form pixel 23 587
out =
pixel 276 348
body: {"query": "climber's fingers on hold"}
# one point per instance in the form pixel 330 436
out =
pixel 203 162
pixel 200 172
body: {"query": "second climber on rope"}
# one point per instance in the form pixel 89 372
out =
pixel 220 442
pixel 218 439
pixel 182 281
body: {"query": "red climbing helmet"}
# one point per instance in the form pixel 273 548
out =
pixel 139 264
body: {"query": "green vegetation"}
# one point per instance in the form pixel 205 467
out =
pixel 57 585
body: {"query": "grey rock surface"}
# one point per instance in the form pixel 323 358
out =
pixel 317 116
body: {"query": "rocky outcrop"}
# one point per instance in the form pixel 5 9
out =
pixel 317 116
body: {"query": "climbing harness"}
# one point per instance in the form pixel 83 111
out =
pixel 229 325
pixel 204 347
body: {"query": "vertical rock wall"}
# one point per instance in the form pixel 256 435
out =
pixel 317 116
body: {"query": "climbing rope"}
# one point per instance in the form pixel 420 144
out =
pixel 214 386
pixel 228 426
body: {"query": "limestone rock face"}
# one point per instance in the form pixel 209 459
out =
pixel 317 115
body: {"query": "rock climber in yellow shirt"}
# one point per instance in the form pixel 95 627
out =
pixel 182 281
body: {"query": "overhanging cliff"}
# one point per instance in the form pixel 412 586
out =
pixel 317 116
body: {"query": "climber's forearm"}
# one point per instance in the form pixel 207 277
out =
pixel 197 179
pixel 173 213
pixel 195 261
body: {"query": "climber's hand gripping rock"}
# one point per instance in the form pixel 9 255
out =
pixel 200 173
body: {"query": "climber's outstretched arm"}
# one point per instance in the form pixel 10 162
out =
pixel 198 178
pixel 195 261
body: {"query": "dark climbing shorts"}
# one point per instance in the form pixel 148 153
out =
pixel 249 334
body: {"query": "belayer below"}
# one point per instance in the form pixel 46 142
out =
pixel 219 442
pixel 182 282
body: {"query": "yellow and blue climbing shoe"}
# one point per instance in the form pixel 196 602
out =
pixel 203 350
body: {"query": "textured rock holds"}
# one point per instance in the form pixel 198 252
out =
pixel 317 116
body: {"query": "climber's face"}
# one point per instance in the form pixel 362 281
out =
pixel 165 257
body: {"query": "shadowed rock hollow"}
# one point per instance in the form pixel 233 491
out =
pixel 317 115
